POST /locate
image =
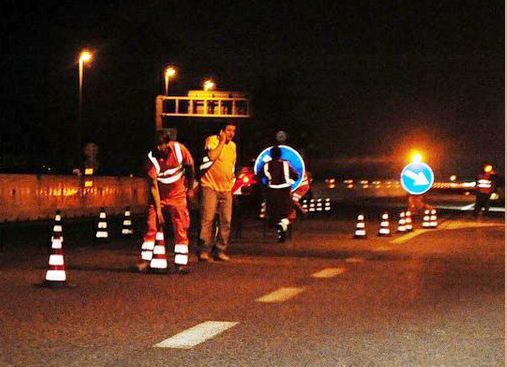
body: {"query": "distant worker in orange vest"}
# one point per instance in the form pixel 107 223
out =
pixel 485 186
pixel 170 171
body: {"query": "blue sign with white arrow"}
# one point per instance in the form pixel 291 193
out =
pixel 417 178
pixel 288 154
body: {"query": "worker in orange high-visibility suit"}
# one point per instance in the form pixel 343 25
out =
pixel 485 186
pixel 170 171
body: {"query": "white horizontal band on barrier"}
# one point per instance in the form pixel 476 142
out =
pixel 55 275
pixel 56 260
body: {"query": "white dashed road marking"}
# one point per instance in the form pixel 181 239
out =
pixel 196 335
pixel 328 273
pixel 280 295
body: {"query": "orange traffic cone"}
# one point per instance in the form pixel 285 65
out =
pixel 401 223
pixel 360 231
pixel 127 230
pixel 158 263
pixel 433 218
pixel 55 276
pixel 426 219
pixel 408 221
pixel 102 234
pixel 384 226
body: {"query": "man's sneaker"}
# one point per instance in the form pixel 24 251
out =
pixel 222 257
pixel 204 257
pixel 181 270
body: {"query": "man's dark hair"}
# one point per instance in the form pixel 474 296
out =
pixel 162 137
pixel 225 124
pixel 276 152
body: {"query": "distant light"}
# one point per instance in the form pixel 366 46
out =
pixel 452 178
pixel 85 56
pixel 488 168
pixel 88 171
pixel 209 84
pixel 170 72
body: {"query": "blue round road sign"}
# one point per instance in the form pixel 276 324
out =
pixel 417 178
pixel 288 154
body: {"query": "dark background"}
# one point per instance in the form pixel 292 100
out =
pixel 355 86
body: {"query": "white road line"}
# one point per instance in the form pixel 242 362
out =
pixel 328 273
pixel 280 295
pixel 196 335
pixel 382 248
pixel 409 236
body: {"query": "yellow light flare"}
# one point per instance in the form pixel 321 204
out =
pixel 209 85
pixel 170 72
pixel 85 56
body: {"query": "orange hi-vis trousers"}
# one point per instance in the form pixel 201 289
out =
pixel 180 219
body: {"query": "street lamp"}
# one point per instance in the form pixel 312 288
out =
pixel 170 72
pixel 85 56
pixel 209 85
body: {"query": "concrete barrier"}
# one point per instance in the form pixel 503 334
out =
pixel 37 197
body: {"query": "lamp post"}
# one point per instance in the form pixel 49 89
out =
pixel 85 56
pixel 170 72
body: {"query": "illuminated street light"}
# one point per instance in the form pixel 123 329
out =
pixel 170 72
pixel 209 84
pixel 84 56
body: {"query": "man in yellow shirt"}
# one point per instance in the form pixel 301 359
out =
pixel 216 193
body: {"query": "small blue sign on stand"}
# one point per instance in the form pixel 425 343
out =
pixel 288 154
pixel 417 178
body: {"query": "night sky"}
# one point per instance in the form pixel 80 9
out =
pixel 355 86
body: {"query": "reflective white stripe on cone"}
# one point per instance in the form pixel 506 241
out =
pixel 426 219
pixel 401 223
pixel 433 219
pixel 408 221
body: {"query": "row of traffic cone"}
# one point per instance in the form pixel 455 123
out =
pixel 404 223
pixel 102 233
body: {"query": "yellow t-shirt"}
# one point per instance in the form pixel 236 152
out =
pixel 220 176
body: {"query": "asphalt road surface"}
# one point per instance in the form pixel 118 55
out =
pixel 428 298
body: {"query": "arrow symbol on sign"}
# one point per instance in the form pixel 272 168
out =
pixel 419 178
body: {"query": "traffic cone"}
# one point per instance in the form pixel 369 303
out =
pixel 262 213
pixel 384 226
pixel 408 221
pixel 127 230
pixel 401 223
pixel 360 231
pixel 319 205
pixel 55 276
pixel 102 234
pixel 305 205
pixel 426 219
pixel 312 205
pixel 433 219
pixel 158 263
